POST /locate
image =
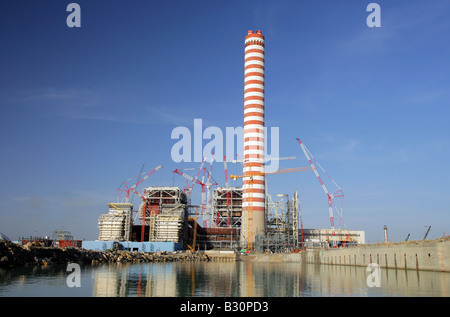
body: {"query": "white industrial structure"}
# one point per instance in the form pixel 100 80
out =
pixel 116 224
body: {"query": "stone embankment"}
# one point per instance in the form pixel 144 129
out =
pixel 12 254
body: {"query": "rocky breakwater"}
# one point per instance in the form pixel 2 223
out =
pixel 12 254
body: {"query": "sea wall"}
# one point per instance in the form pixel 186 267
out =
pixel 427 255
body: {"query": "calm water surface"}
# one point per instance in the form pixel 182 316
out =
pixel 219 279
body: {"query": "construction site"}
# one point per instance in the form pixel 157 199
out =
pixel 239 218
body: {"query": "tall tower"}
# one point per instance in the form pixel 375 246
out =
pixel 253 197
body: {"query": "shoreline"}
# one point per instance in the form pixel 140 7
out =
pixel 427 255
pixel 12 254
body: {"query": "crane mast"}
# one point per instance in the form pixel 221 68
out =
pixel 330 197
pixel 128 189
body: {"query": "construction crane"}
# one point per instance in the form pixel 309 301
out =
pixel 330 197
pixel 426 234
pixel 269 159
pixel 192 179
pixel 133 188
pixel 189 177
pixel 196 181
pixel 250 175
pixel 280 171
pixel 208 190
pixel 194 235
pixel 225 167
pixel 144 211
pixel 205 185
pixel 128 189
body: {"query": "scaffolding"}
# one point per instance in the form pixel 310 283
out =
pixel 62 235
pixel 282 225
pixel 295 205
pixel 165 214
pixel 117 223
pixel 278 217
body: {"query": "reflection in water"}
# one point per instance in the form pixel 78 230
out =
pixel 221 279
pixel 242 279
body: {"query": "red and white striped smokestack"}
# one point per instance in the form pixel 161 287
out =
pixel 253 202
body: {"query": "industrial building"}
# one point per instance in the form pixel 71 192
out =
pixel 227 205
pixel 163 218
pixel 328 237
pixel 171 224
pixel 163 212
pixel 116 224
pixel 232 217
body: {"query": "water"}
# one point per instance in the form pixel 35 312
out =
pixel 219 279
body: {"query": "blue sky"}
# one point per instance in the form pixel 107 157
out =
pixel 82 109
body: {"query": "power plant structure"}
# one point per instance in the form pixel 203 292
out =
pixel 254 190
pixel 244 218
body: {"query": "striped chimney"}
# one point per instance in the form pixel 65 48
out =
pixel 253 202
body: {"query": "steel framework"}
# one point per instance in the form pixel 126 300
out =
pixel 163 212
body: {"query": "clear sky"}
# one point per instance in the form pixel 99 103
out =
pixel 82 109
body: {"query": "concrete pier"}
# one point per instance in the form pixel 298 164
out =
pixel 426 255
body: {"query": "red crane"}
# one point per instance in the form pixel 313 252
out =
pixel 145 203
pixel 192 179
pixel 128 189
pixel 228 194
pixel 196 181
pixel 330 197
pixel 144 211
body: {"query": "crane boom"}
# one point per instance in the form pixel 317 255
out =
pixel 198 173
pixel 144 208
pixel 189 177
pixel 147 176
pixel 280 171
pixel 226 170
pixel 112 205
pixel 329 196
pixel 135 191
pixel 426 234
pixel 330 207
pixel 128 189
pixel 269 159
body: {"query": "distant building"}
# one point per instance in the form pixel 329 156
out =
pixel 331 237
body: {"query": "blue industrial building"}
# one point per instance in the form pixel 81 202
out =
pixel 146 246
